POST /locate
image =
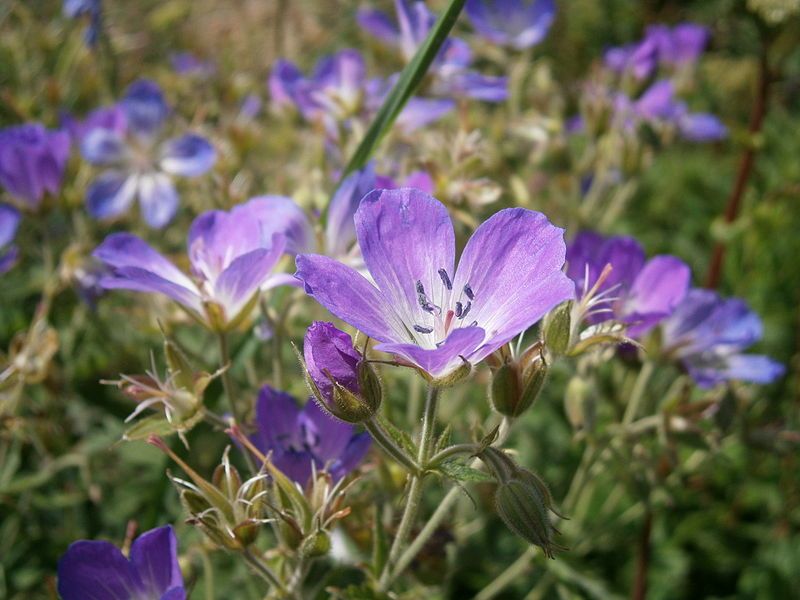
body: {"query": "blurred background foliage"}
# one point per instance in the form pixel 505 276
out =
pixel 726 528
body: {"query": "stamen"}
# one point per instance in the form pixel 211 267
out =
pixel 420 289
pixel 459 309
pixel 466 310
pixel 468 291
pixel 427 306
pixel 421 329
pixel 445 279
pixel 473 324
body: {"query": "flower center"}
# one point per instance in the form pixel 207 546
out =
pixel 446 315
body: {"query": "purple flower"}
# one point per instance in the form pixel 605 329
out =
pixel 301 437
pixel 638 292
pixel 329 354
pixel 420 307
pixel 709 334
pixel 32 161
pixel 451 76
pixel 661 45
pixel 93 9
pixel 658 106
pixel 111 118
pixel 9 222
pixel 340 228
pixel 332 93
pixel 138 166
pixel 516 23
pixel 98 570
pixel 232 255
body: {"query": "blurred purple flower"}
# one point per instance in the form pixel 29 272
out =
pixel 232 255
pixel 329 354
pixel 187 63
pixel 417 113
pixel 250 106
pixel 681 45
pixel 111 118
pixel 420 307
pixel 301 437
pixel 637 292
pixel 451 76
pixel 9 222
pixel 32 161
pixel 139 166
pixel 93 10
pixel 709 335
pixel 516 23
pixel 97 569
pixel 333 92
pixel 658 105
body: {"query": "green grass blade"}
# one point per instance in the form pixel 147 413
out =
pixel 410 78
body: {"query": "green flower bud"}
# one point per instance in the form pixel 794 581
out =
pixel 557 329
pixel 316 545
pixel 522 507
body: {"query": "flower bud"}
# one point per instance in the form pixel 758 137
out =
pixel 316 545
pixel 557 329
pixel 340 379
pixel 576 404
pixel 522 507
pixel 515 387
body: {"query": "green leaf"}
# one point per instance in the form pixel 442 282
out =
pixel 461 472
pixel 410 78
pixel 401 438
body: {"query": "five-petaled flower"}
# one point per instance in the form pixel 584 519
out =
pixel 140 166
pixel 637 292
pixel 302 440
pixel 421 308
pixel 709 335
pixel 98 570
pixel 232 255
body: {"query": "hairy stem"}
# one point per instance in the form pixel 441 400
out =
pixel 414 495
pixel 388 445
pixel 263 570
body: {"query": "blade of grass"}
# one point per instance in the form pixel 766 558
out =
pixel 409 80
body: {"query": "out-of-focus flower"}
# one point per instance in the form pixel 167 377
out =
pixel 637 292
pixel 516 23
pixel 709 334
pixel 111 118
pixel 32 161
pixel 97 569
pixel 451 74
pixel 139 165
pixel 661 46
pixel 421 308
pixel 232 256
pixel 338 89
pixel 302 440
pixel 93 10
pixel 659 107
pixel 9 222
pixel 186 63
pixel 334 90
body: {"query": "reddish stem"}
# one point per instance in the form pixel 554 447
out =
pixel 757 115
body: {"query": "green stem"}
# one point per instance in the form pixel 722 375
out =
pixel 450 451
pixel 637 394
pixel 227 385
pixel 440 513
pixel 414 495
pixel 518 568
pixel 388 445
pixel 266 573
